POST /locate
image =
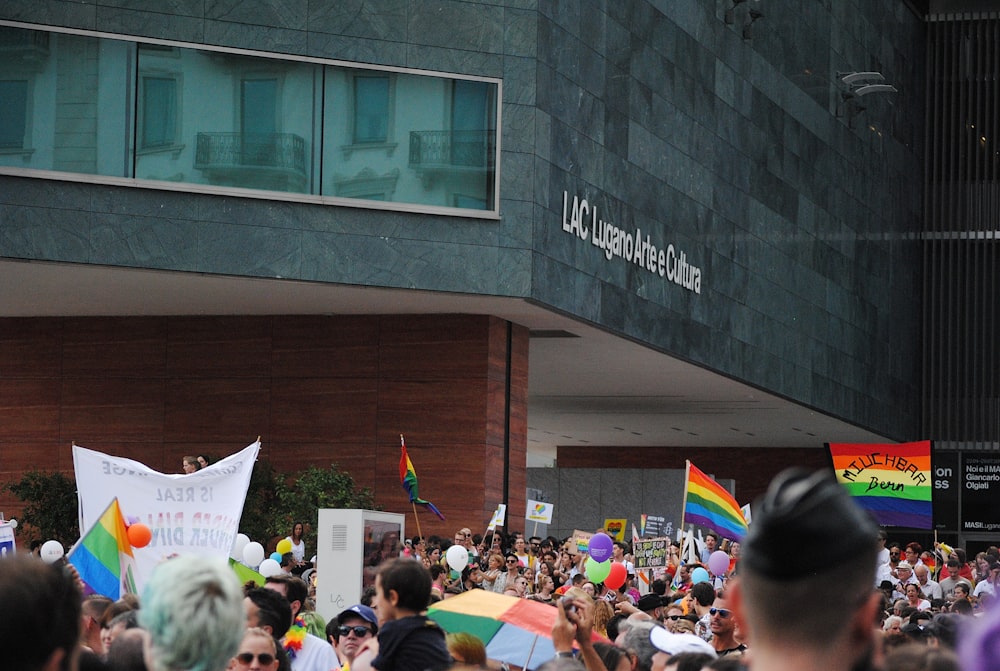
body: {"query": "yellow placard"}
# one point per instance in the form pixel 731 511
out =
pixel 616 528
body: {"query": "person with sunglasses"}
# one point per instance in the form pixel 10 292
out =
pixel 723 627
pixel 507 578
pixel 349 630
pixel 887 571
pixel 258 652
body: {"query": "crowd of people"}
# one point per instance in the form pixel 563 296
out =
pixel 814 585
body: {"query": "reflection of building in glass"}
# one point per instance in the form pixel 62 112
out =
pixel 382 542
pixel 214 118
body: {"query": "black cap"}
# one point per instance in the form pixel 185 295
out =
pixel 802 509
pixel 648 602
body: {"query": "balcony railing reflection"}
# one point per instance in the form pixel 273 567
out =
pixel 446 148
pixel 278 151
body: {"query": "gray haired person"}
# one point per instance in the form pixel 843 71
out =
pixel 192 608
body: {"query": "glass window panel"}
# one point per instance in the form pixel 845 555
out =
pixel 76 103
pixel 371 109
pixel 240 121
pixel 13 113
pixel 159 111
pixel 435 147
pixel 68 99
pixel 260 98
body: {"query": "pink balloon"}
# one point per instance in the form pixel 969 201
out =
pixel 718 562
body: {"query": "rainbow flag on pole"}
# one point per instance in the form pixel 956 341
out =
pixel 408 478
pixel 708 504
pixel 103 555
pixel 892 482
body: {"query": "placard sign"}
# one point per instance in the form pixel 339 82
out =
pixel 580 542
pixel 981 487
pixel 651 552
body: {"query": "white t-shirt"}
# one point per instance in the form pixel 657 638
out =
pixel 298 551
pixel 984 587
pixel 315 655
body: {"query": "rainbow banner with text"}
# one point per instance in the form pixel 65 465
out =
pixel 891 481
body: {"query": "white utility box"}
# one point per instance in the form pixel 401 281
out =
pixel 350 546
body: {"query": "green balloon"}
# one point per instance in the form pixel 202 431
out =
pixel 596 571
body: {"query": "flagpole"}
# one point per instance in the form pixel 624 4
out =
pixel 687 479
pixel 417 519
pixel 936 573
pixel 493 531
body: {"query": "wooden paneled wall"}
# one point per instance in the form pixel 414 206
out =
pixel 318 390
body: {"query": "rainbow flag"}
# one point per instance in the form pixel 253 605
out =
pixel 708 504
pixel 103 556
pixel 408 478
pixel 892 482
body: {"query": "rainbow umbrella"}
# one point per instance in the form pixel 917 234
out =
pixel 516 631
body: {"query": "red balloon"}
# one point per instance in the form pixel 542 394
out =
pixel 616 577
pixel 139 535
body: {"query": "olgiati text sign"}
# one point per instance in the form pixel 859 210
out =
pixel 580 218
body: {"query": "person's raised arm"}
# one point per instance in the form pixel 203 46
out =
pixel 579 614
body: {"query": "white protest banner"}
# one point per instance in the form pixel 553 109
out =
pixel 539 511
pixel 196 513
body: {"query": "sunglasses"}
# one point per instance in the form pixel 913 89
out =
pixel 721 612
pixel 246 658
pixel 359 630
pixel 674 617
pixel 511 561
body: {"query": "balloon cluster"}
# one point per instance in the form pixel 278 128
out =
pixel 251 553
pixel 718 564
pixel 599 567
pixel 138 534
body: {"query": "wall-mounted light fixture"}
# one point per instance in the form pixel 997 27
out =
pixel 854 86
pixel 862 83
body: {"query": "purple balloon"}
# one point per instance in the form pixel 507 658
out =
pixel 600 547
pixel 718 562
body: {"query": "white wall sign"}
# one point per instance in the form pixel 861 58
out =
pixel 580 219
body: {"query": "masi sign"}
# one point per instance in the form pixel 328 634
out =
pixel 580 219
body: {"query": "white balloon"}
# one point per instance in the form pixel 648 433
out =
pixel 269 567
pixel 52 551
pixel 12 523
pixel 458 557
pixel 238 545
pixel 253 553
